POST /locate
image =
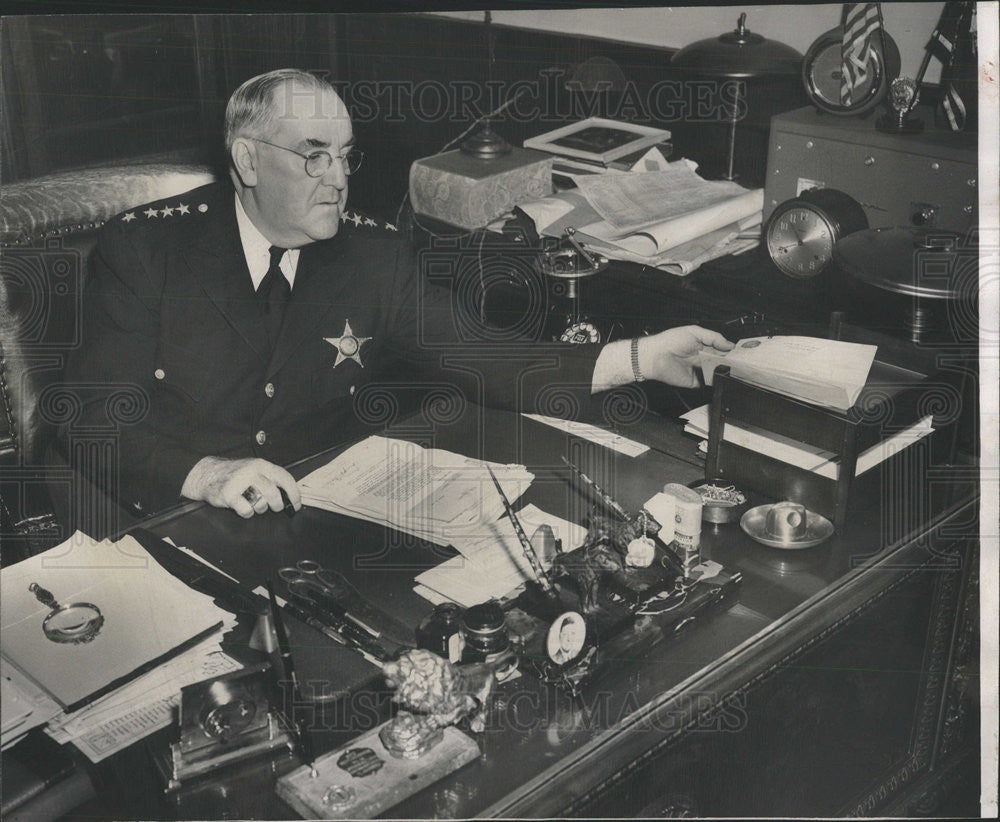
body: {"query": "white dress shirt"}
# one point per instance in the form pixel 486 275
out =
pixel 257 249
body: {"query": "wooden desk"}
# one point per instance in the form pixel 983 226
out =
pixel 839 682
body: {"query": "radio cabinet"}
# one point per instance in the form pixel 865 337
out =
pixel 928 179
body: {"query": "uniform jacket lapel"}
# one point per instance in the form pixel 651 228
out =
pixel 216 259
pixel 320 285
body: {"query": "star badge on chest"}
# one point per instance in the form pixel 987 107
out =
pixel 348 345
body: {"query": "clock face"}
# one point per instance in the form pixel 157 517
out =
pixel 800 241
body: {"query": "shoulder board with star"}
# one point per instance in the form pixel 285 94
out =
pixel 362 222
pixel 169 211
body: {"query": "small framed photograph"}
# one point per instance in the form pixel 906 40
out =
pixel 597 139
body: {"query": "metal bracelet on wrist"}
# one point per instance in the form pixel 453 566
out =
pixel 636 373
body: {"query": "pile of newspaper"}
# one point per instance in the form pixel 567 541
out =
pixel 668 218
pixel 95 694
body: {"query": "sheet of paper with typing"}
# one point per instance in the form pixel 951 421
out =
pixel 145 705
pixel 434 494
pixel 813 369
pixel 491 564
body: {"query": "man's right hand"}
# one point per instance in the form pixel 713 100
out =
pixel 224 483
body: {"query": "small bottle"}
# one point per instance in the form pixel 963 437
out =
pixel 687 524
pixel 485 629
pixel 441 632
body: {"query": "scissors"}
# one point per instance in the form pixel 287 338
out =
pixel 309 574
pixel 321 586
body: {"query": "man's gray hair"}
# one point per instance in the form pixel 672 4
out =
pixel 250 111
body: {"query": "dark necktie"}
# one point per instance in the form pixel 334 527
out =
pixel 272 294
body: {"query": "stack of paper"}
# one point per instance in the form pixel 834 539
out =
pixel 670 219
pixel 23 705
pixel 149 618
pixel 491 564
pixel 146 704
pixel 433 494
pixel 824 463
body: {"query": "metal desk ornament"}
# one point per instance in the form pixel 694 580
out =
pixel 621 583
pixel 72 624
pixel 416 748
pixel 787 525
pixel 223 720
pixel 569 263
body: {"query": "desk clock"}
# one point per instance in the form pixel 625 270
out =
pixel 823 66
pixel 801 232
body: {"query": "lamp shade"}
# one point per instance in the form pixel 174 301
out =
pixel 739 54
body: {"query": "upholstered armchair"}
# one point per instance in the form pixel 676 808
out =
pixel 47 231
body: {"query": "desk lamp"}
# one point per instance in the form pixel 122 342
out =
pixel 486 143
pixel 737 55
pixel 472 186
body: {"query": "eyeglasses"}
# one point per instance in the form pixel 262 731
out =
pixel 319 162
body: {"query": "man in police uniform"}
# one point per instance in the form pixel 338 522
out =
pixel 250 314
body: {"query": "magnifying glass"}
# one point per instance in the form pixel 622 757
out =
pixel 75 623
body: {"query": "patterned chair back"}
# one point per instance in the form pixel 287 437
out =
pixel 48 228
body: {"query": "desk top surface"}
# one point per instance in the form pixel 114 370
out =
pixel 537 734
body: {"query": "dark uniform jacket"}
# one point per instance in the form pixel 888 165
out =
pixel 174 338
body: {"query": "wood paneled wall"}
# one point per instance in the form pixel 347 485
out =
pixel 93 88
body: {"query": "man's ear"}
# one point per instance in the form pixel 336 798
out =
pixel 244 158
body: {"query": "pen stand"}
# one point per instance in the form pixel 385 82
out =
pixel 613 599
pixel 890 402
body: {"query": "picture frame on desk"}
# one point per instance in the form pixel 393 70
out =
pixel 598 139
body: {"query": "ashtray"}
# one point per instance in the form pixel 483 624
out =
pixel 721 501
pixel 786 525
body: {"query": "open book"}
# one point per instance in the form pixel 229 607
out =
pixel 824 372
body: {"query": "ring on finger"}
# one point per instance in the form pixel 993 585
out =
pixel 251 495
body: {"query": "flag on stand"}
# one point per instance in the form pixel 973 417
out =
pixel 861 22
pixel 954 44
